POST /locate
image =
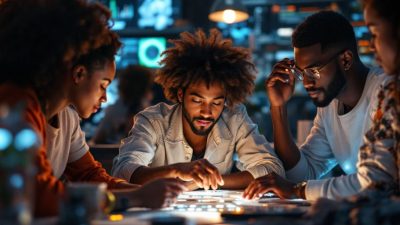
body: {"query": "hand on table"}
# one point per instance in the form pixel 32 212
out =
pixel 271 183
pixel 201 172
pixel 159 193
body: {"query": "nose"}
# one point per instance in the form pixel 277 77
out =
pixel 205 110
pixel 308 82
pixel 372 45
pixel 103 97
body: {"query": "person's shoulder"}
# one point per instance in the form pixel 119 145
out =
pixel 237 112
pixel 376 72
pixel 389 85
pixel 158 111
pixel 69 113
pixel 377 76
pixel 376 81
pixel 69 117
pixel 11 94
pixel 389 81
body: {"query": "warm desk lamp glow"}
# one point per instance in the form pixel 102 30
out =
pixel 228 11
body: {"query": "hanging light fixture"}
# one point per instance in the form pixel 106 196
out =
pixel 228 11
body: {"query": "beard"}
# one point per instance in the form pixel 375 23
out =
pixel 332 91
pixel 198 131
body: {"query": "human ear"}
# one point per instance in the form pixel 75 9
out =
pixel 79 72
pixel 180 95
pixel 347 59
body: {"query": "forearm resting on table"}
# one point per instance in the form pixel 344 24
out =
pixel 125 185
pixel 125 198
pixel 145 174
pixel 238 180
pixel 284 145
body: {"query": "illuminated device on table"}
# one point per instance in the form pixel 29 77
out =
pixel 230 203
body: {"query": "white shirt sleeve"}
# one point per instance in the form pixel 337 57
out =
pixel 316 156
pixel 78 146
pixel 254 151
pixel 379 167
pixel 137 149
pixel 376 166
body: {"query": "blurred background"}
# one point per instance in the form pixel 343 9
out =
pixel 266 27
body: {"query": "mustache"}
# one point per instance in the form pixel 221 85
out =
pixel 202 118
pixel 313 89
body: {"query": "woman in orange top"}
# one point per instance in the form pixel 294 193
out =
pixel 56 53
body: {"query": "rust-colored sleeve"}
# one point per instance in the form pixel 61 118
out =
pixel 48 189
pixel 88 169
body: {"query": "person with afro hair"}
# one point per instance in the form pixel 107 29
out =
pixel 197 138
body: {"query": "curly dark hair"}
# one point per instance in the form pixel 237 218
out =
pixel 327 28
pixel 196 57
pixel 42 40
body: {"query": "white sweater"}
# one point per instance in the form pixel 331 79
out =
pixel 336 139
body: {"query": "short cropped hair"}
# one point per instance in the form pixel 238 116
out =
pixel 196 57
pixel 327 28
pixel 42 40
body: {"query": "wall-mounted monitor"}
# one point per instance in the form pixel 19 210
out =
pixel 149 51
pixel 145 51
pixel 149 14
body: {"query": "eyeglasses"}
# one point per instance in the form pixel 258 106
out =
pixel 312 73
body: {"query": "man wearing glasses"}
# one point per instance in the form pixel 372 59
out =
pixel 342 87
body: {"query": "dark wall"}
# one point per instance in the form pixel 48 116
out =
pixel 196 11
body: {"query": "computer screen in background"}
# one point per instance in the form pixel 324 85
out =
pixel 143 14
pixel 145 51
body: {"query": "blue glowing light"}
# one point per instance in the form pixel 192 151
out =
pixel 156 13
pixel 5 139
pixel 25 139
pixel 150 50
pixel 348 168
pixel 16 181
